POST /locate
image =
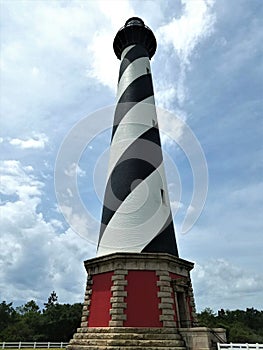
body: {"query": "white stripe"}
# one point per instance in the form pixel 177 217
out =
pixel 132 72
pixel 137 121
pixel 139 218
pixel 141 114
pixel 125 51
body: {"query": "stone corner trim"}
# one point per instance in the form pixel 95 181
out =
pixel 117 300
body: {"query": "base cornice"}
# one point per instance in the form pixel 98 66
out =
pixel 137 261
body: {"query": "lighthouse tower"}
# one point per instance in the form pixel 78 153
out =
pixel 136 214
pixel 138 292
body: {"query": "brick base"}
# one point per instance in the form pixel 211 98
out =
pixel 161 282
pixel 124 286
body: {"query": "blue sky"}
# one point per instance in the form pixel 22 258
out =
pixel 58 67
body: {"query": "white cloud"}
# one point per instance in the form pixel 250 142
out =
pixel 74 169
pixel 165 94
pixel 39 141
pixel 18 180
pixel 230 227
pixel 104 65
pixel 220 284
pixel 117 18
pixel 185 33
pixel 79 222
pixel 60 44
pixel 45 54
pixel 38 255
pixel 171 126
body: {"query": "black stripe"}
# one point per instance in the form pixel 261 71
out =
pixel 165 241
pixel 137 91
pixel 134 53
pixel 120 183
pixel 152 135
pixel 119 187
pixel 137 162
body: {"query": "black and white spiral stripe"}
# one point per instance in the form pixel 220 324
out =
pixel 136 215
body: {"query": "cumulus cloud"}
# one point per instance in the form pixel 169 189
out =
pixel 39 141
pixel 220 284
pixel 172 126
pixel 81 33
pixel 38 255
pixel 231 228
pixel 165 95
pixel 47 63
pixel 104 67
pixel 19 180
pixel 184 34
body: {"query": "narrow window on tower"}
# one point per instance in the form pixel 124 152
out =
pixel 163 197
pixel 153 122
pixel 147 70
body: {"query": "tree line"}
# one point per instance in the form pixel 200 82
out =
pixel 241 326
pixel 58 322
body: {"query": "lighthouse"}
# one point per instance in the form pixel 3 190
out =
pixel 138 292
pixel 136 214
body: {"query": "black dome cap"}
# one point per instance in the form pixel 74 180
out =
pixel 134 32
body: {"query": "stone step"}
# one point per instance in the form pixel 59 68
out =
pixel 126 338
pixel 127 330
pixel 92 347
pixel 146 336
pixel 127 342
